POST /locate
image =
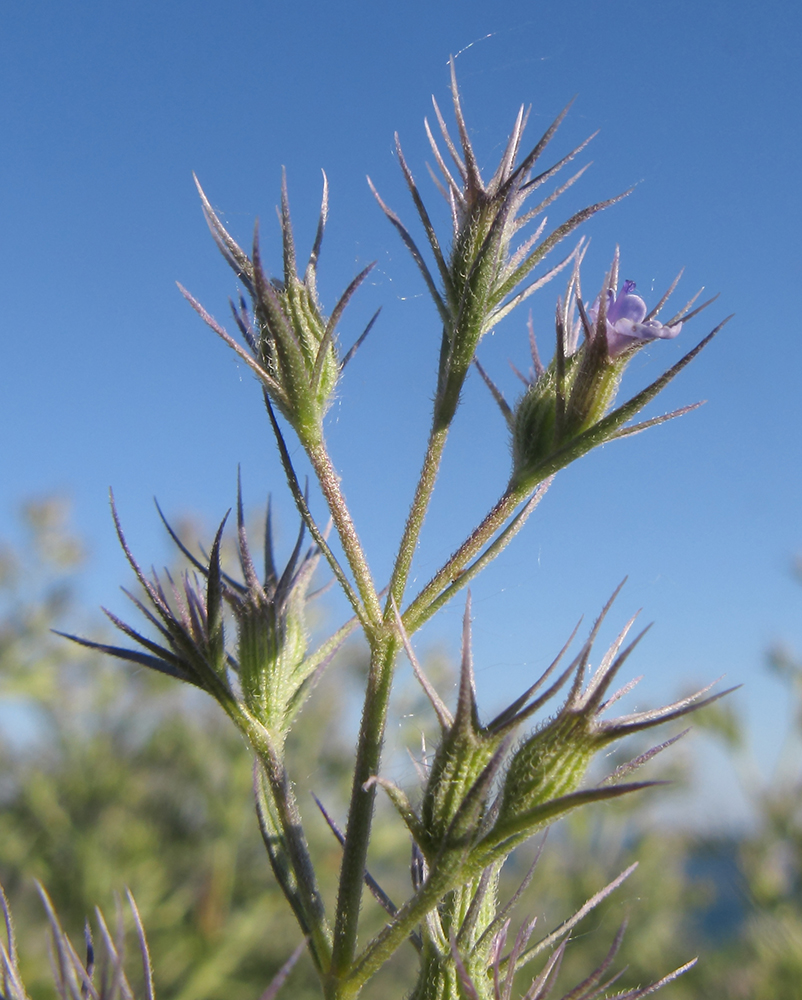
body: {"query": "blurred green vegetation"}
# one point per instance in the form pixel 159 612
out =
pixel 114 777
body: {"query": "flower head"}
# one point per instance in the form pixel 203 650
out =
pixel 545 772
pixel 567 407
pixel 267 674
pixel 488 270
pixel 293 347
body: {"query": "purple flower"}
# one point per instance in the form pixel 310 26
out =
pixel 627 325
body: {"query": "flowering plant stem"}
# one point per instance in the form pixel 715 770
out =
pixel 343 522
pixel 360 815
pixel 417 514
pixel 482 792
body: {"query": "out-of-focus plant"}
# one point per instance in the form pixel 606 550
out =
pixel 100 971
pixel 763 956
pixel 488 787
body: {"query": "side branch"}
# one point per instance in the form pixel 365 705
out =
pixel 416 517
pixel 417 612
pixel 309 521
pixel 341 516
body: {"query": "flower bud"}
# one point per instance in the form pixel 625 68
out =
pixel 545 773
pixel 271 647
pixel 461 774
pixel 461 759
pixel 275 673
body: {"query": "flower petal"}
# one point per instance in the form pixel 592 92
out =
pixel 625 334
pixel 627 306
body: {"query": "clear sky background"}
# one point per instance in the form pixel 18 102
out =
pixel 108 377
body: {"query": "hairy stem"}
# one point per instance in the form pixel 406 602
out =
pixel 390 939
pixel 415 614
pixel 360 816
pixel 493 550
pixel 330 485
pixel 309 521
pixel 417 514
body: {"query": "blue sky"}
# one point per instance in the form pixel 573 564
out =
pixel 108 378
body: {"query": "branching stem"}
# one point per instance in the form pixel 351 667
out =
pixel 290 818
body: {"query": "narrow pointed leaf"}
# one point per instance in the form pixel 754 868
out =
pixel 452 149
pixel 431 235
pixel 162 666
pixel 528 161
pixel 655 421
pixel 290 266
pixel 653 312
pixel 252 363
pixel 555 237
pixel 233 253
pixel 685 316
pixel 568 925
pixel 505 836
pixel 410 244
pixel 496 393
pixel 143 947
pixel 453 188
pixel 403 807
pixel 314 256
pixel 278 980
pixel 474 178
pixel 441 710
pixel 360 340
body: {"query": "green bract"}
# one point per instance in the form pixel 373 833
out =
pixel 268 675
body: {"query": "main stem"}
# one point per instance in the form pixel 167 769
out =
pixel 384 646
pixel 374 719
pixel 360 816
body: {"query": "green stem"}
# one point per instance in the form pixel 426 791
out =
pixel 417 514
pixel 415 614
pixel 388 940
pixel 368 758
pixel 488 555
pixel 330 485
pixel 374 717
pixel 309 521
pixel 298 850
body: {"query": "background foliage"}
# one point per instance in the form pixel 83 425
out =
pixel 108 780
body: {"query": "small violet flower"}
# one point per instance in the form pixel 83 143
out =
pixel 627 325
